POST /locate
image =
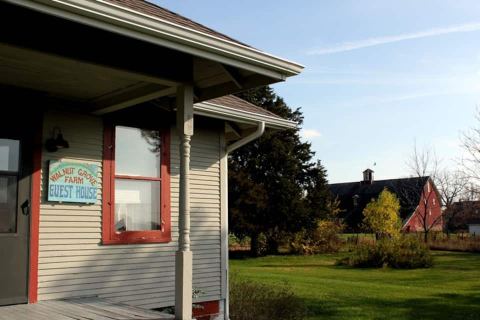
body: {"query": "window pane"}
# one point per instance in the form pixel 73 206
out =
pixel 8 204
pixel 137 152
pixel 9 152
pixel 137 205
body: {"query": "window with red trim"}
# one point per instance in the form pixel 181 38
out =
pixel 136 185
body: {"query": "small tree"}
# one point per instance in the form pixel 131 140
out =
pixel 381 216
pixel 452 186
pixel 424 165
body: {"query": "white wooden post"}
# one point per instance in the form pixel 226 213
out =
pixel 183 258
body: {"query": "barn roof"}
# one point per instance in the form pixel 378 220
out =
pixel 397 186
pixel 407 190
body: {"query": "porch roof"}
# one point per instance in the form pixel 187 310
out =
pixel 142 53
pixel 232 108
pixel 151 23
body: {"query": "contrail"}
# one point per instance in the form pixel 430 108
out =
pixel 375 41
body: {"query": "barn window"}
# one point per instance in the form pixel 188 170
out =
pixel 355 200
pixel 136 188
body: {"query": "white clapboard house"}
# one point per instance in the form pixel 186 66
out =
pixel 117 120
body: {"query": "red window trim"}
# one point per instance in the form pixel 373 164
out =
pixel 109 234
pixel 35 214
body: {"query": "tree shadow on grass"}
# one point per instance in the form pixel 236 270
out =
pixel 320 309
pixel 443 306
pixel 239 255
pixel 306 265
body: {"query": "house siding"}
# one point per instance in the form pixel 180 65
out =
pixel 74 263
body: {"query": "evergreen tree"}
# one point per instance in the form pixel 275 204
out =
pixel 275 188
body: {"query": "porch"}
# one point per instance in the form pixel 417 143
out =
pixel 85 68
pixel 79 309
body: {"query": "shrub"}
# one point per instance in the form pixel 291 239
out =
pixel 411 253
pixel 238 244
pixel 353 241
pixel 324 239
pixel 302 244
pixel 401 253
pixel 251 300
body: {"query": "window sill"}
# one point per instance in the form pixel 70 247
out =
pixel 165 239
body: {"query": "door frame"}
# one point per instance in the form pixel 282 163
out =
pixel 36 180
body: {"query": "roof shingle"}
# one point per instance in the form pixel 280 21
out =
pixel 237 103
pixel 152 9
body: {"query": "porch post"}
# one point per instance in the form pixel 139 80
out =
pixel 183 258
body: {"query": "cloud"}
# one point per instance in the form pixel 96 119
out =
pixel 310 133
pixel 467 82
pixel 383 100
pixel 375 41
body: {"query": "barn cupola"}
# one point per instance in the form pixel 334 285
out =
pixel 368 176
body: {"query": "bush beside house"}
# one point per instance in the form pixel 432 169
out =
pixel 252 300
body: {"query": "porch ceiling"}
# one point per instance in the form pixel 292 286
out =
pixel 68 79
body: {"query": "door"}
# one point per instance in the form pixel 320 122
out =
pixel 15 170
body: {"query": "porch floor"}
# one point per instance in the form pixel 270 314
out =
pixel 79 309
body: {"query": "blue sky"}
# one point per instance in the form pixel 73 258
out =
pixel 379 75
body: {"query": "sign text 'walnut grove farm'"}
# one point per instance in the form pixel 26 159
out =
pixel 72 182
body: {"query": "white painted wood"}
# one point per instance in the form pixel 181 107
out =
pixel 224 224
pixel 74 263
pixel 121 101
pixel 184 257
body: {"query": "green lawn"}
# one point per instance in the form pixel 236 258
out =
pixel 449 290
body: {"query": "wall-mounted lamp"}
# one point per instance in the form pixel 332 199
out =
pixel 56 141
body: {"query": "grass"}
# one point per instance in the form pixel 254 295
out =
pixel 449 290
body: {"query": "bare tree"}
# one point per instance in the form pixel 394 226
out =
pixel 462 213
pixel 424 166
pixel 470 161
pixel 423 162
pixel 452 186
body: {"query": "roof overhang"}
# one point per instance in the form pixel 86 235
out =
pixel 218 111
pixel 121 20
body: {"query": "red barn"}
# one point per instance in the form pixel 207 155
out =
pixel 428 213
pixel 420 204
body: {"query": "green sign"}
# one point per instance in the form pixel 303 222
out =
pixel 72 182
